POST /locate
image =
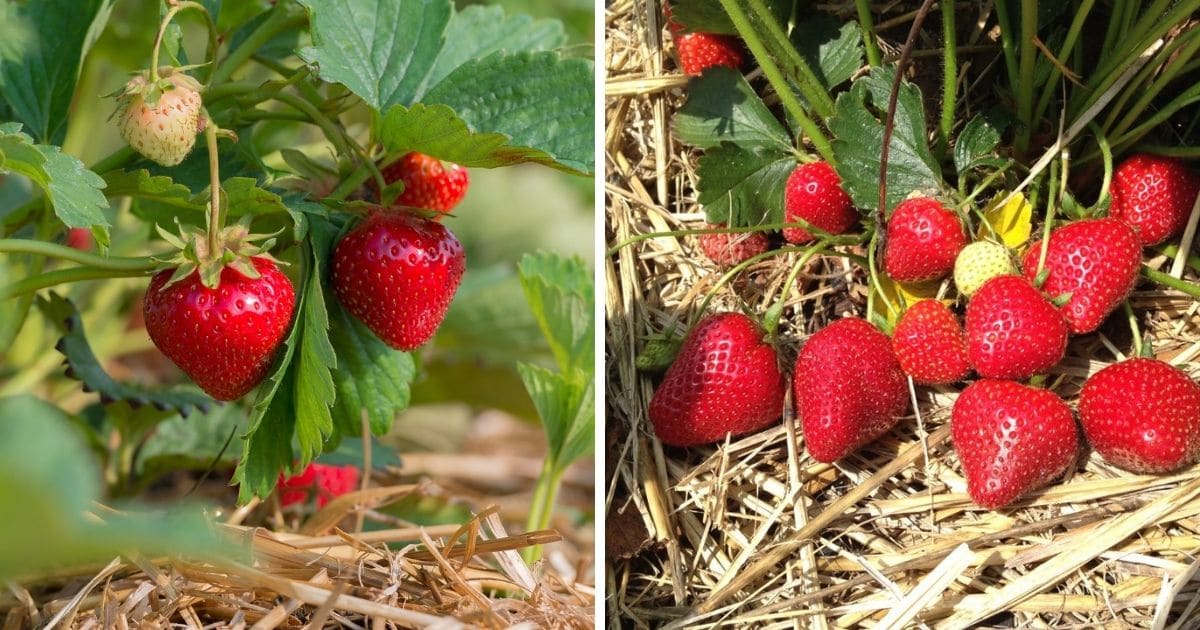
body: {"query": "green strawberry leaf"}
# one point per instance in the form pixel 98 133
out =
pixel 383 50
pixel 191 443
pixel 371 377
pixel 267 443
pixel 314 384
pixel 566 404
pixel 833 48
pixel 536 99
pixel 478 31
pixel 437 131
pixel 74 191
pixel 743 187
pixel 976 144
pixel 82 365
pixel 722 107
pixel 857 126
pixel 41 51
pixel 707 16
pixel 560 293
pixel 142 185
pixel 350 451
pixel 47 470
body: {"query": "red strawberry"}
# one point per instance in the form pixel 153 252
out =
pixel 329 482
pixel 1011 439
pixel 160 120
pixel 1154 194
pixel 930 345
pixel 849 388
pixel 223 338
pixel 428 183
pixel 1096 261
pixel 1142 415
pixel 700 51
pixel 923 240
pixel 732 249
pixel 725 381
pixel 814 194
pixel 397 273
pixel 81 239
pixel 1012 330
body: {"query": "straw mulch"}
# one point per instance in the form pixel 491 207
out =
pixel 352 564
pixel 754 532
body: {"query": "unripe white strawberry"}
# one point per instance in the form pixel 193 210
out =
pixel 979 262
pixel 160 120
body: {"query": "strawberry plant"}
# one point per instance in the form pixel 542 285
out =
pixel 275 218
pixel 975 215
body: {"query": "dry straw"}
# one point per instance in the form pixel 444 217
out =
pixel 753 532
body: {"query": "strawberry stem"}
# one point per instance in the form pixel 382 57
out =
pixel 29 284
pixel 866 24
pixel 53 250
pixel 1138 348
pixel 162 29
pixel 1170 281
pixel 949 75
pixel 214 197
pixel 775 312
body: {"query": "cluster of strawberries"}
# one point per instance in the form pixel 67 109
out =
pixel 223 311
pixel 849 381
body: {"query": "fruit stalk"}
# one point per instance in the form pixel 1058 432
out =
pixel 162 29
pixel 866 24
pixel 41 281
pixel 214 183
pixel 53 250
pixel 542 505
pixel 1028 54
pixel 949 75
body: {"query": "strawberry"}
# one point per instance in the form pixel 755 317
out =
pixel 732 249
pixel 700 51
pixel 979 262
pixel 849 388
pixel 225 337
pixel 725 381
pixel 1012 330
pixel 1142 415
pixel 930 345
pixel 397 273
pixel 160 120
pixel 81 239
pixel 328 482
pixel 1011 439
pixel 1154 194
pixel 1095 261
pixel 428 182
pixel 923 239
pixel 814 194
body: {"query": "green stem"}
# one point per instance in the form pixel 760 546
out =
pixel 1067 48
pixel 162 29
pixel 542 505
pixel 876 285
pixel 866 24
pixel 1170 281
pixel 331 131
pixel 1133 328
pixel 281 18
pixel 64 276
pixel 214 183
pixel 810 85
pixel 1106 152
pixel 115 160
pixel 1006 42
pixel 775 312
pixel 53 250
pixel 949 75
pixel 1049 223
pixel 775 77
pixel 1025 86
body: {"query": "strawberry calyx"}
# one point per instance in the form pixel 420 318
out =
pixel 151 89
pixel 235 246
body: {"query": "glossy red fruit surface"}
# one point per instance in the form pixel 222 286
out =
pixel 225 338
pixel 429 183
pixel 1096 261
pixel 724 381
pixel 923 241
pixel 1011 439
pixel 1013 332
pixel 397 273
pixel 848 388
pixel 1154 194
pixel 930 344
pixel 1142 415
pixel 814 194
